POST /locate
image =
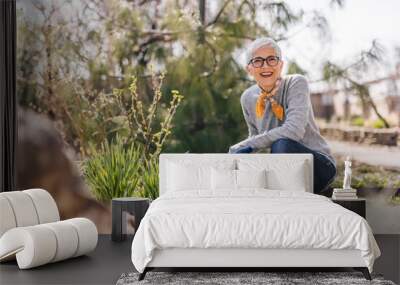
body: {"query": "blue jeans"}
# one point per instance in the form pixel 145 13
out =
pixel 324 170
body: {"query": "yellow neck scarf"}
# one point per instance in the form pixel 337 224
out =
pixel 277 109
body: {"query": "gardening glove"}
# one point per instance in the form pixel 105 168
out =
pixel 245 149
pixel 239 146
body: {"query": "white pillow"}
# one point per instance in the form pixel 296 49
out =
pixel 282 174
pixel 193 175
pixel 292 181
pixel 223 179
pixel 183 178
pixel 251 178
pixel 230 180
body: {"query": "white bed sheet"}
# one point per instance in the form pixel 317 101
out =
pixel 252 218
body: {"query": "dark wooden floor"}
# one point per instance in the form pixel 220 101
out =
pixel 110 260
pixel 103 266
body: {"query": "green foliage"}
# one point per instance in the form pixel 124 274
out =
pixel 118 169
pixel 294 68
pixel 199 57
pixel 375 180
pixel 140 119
pixel 396 184
pixel 114 170
pixel 92 117
pixel 133 124
pixel 378 124
pixel 150 180
pixel 367 176
pixel 357 121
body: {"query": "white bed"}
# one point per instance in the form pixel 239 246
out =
pixel 280 225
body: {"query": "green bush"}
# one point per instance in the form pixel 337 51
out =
pixel 378 124
pixel 375 180
pixel 367 176
pixel 357 121
pixel 114 170
pixel 150 180
pixel 121 170
pixel 365 168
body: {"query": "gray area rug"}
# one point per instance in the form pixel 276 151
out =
pixel 273 278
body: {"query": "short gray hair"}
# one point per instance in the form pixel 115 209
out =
pixel 260 42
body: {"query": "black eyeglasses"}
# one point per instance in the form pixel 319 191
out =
pixel 258 62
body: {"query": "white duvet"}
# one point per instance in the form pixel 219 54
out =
pixel 250 219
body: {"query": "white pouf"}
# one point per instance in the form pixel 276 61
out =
pixel 22 207
pixel 87 234
pixel 31 232
pixel 67 237
pixel 7 219
pixel 26 208
pixel 45 206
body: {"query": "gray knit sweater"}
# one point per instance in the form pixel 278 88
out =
pixel 298 122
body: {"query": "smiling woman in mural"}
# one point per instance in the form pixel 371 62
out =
pixel 279 114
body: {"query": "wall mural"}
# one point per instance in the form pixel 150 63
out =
pixel 122 81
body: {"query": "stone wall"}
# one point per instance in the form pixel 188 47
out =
pixel 389 137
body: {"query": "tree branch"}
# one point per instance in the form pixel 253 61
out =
pixel 215 20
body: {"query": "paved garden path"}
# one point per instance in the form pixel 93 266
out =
pixel 386 156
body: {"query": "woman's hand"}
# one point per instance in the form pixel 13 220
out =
pixel 241 147
pixel 245 149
